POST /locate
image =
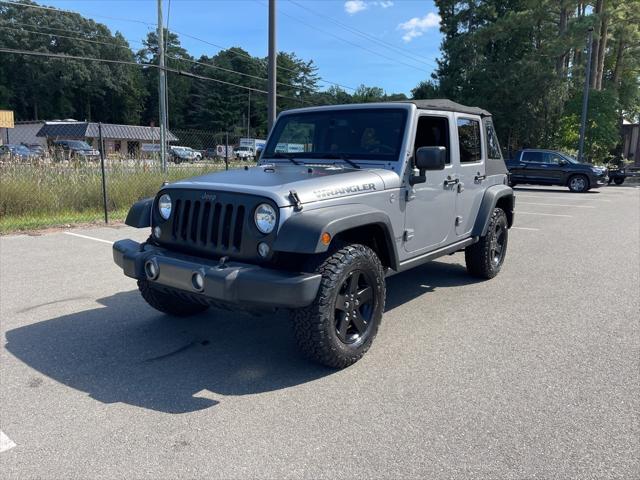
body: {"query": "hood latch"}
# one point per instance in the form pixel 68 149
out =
pixel 293 195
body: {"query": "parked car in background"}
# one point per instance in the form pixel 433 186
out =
pixel 182 154
pixel 36 149
pixel 76 150
pixel 15 152
pixel 244 153
pixel 549 167
pixel 620 170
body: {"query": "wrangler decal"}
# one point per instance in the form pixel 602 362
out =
pixel 334 192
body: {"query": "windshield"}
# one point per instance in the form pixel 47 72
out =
pixel 242 149
pixel 570 158
pixel 371 134
pixel 79 145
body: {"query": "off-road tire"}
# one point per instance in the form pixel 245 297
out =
pixel 169 303
pixel 618 181
pixel 315 326
pixel 480 257
pixel 573 187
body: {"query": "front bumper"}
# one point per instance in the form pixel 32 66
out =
pixel 233 283
pixel 599 180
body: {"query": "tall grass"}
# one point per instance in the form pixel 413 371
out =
pixel 34 195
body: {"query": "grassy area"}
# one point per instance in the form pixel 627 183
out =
pixel 36 196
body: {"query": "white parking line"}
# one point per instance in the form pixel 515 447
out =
pixel 88 237
pixel 555 205
pixel 5 442
pixel 566 197
pixel 545 214
pixel 524 228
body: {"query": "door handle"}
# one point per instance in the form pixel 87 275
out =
pixel 451 181
pixel 479 178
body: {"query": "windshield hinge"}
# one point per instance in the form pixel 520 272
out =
pixel 293 195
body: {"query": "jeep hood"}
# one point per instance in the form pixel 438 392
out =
pixel 311 183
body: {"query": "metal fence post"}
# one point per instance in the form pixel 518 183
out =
pixel 226 151
pixel 104 179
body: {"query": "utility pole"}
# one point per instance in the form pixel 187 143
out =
pixel 585 97
pixel 271 100
pixel 249 116
pixel 162 90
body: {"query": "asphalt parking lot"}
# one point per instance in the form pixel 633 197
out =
pixel 534 374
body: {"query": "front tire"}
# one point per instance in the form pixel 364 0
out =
pixel 484 259
pixel 169 303
pixel 578 183
pixel 338 328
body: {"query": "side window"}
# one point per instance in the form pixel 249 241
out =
pixel 433 132
pixel 553 158
pixel 493 147
pixel 469 140
pixel 533 157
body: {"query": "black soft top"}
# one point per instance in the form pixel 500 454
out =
pixel 447 106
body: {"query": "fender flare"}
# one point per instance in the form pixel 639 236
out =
pixel 301 232
pixel 139 215
pixel 489 201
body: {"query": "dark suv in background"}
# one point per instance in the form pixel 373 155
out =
pixel 548 167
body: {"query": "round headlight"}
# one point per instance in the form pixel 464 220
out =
pixel 164 206
pixel 265 218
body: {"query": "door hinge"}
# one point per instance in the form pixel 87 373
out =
pixel 411 194
pixel 408 234
pixel 458 221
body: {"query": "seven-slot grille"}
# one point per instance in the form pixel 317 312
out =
pixel 206 223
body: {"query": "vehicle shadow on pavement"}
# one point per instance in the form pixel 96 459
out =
pixel 126 352
pixel 404 287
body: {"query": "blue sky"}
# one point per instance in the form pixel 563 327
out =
pixel 406 31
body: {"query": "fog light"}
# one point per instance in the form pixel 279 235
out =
pixel 157 231
pixel 151 269
pixel 263 249
pixel 198 281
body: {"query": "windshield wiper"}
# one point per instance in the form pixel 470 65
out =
pixel 343 157
pixel 288 156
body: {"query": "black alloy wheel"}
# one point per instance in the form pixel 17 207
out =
pixel 354 306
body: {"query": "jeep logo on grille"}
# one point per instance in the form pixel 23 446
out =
pixel 208 197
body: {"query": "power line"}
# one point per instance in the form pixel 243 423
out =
pixel 139 65
pixel 365 35
pixel 349 41
pixel 148 24
pixel 173 57
pixel 110 44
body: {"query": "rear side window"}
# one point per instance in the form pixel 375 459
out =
pixel 469 140
pixel 493 147
pixel 533 157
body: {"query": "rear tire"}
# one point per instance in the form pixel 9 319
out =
pixel 169 303
pixel 484 259
pixel 578 183
pixel 618 181
pixel 338 328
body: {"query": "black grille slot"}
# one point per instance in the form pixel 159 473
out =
pixel 215 225
pixel 212 226
pixel 226 226
pixel 204 228
pixel 237 229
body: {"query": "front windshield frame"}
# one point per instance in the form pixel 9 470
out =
pixel 270 153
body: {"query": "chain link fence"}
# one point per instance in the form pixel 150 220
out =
pixel 52 184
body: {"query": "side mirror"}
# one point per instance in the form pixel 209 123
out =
pixel 563 162
pixel 431 158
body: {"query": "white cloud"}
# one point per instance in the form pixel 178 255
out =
pixel 354 6
pixel 416 26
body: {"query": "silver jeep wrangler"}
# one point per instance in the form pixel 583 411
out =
pixel 342 197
